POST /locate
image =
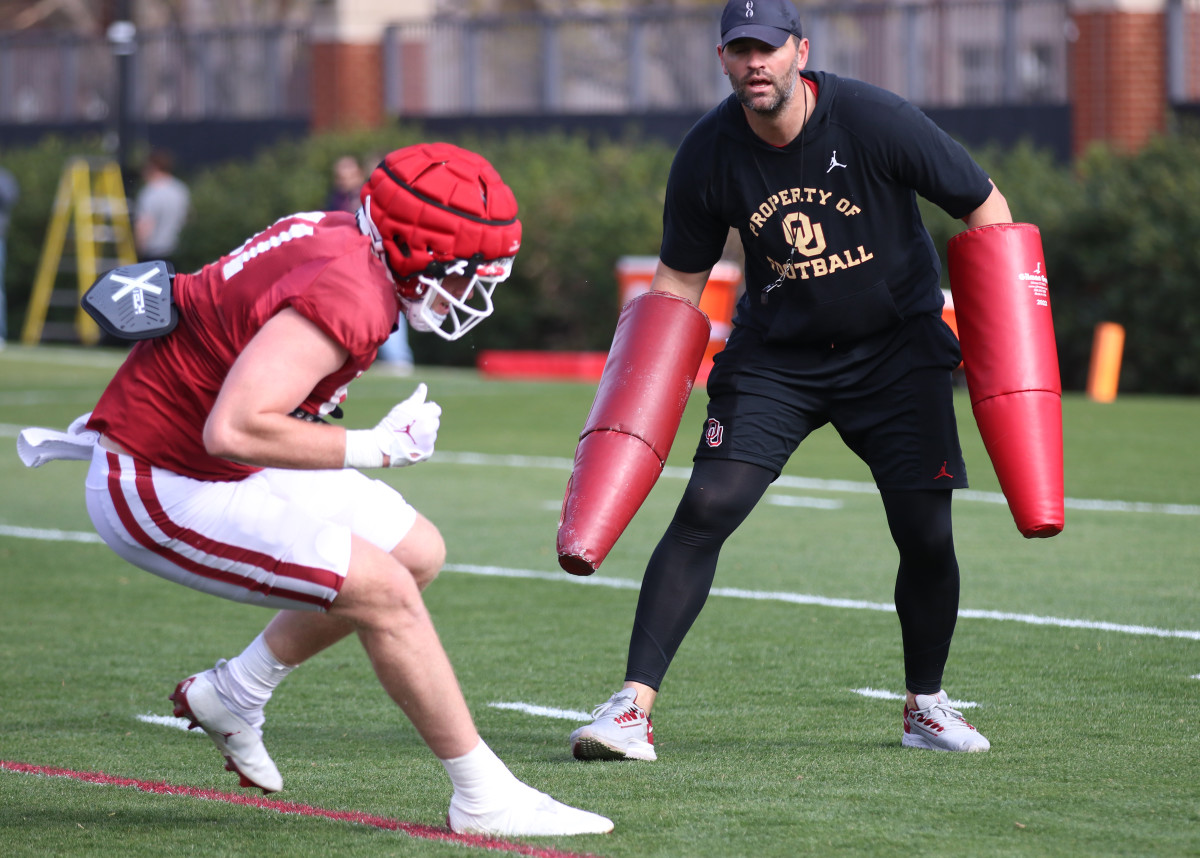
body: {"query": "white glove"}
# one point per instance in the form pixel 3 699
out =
pixel 406 436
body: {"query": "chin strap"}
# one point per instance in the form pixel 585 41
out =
pixel 367 227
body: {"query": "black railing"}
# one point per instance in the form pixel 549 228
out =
pixel 936 53
pixel 173 75
pixel 978 52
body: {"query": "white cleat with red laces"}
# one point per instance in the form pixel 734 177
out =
pixel 621 731
pixel 239 742
pixel 938 726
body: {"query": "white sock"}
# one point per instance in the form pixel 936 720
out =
pixel 479 775
pixel 248 680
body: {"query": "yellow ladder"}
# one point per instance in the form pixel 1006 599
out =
pixel 90 204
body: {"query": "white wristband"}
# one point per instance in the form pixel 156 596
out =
pixel 362 451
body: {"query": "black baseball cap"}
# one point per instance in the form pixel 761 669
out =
pixel 770 21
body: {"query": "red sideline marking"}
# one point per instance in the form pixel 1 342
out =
pixel 571 366
pixel 562 366
pixel 426 832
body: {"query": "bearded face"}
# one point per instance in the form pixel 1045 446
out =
pixel 761 82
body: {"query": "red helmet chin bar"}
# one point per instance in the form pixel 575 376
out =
pixel 436 212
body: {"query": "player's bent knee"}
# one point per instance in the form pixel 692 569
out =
pixel 376 586
pixel 380 601
pixel 422 551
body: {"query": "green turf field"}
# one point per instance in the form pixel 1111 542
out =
pixel 1081 655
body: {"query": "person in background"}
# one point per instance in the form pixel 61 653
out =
pixel 160 209
pixel 347 182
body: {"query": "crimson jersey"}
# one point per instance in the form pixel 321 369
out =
pixel 317 263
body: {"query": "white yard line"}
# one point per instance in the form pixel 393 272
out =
pixel 545 711
pixel 719 592
pixel 49 535
pixel 891 695
pixel 784 482
pixel 827 602
pixel 167 721
pixel 813 484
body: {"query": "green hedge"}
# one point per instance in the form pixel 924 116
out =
pixel 582 205
pixel 1121 235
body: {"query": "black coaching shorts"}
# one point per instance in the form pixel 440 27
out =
pixel 890 399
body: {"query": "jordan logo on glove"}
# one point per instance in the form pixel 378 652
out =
pixel 406 436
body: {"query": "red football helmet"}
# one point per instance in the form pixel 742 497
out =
pixel 435 211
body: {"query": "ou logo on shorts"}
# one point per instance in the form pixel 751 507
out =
pixel 714 432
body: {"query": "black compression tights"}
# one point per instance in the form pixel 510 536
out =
pixel 717 500
pixel 926 583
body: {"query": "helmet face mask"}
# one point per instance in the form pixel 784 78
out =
pixel 454 298
pixel 444 223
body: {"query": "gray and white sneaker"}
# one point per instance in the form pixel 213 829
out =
pixel 239 742
pixel 938 726
pixel 621 731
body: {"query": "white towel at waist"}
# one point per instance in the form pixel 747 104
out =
pixel 37 446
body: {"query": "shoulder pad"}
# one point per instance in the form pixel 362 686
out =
pixel 134 302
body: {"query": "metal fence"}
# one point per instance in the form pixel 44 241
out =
pixel 174 75
pixel 978 52
pixel 936 53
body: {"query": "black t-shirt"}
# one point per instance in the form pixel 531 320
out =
pixel 835 248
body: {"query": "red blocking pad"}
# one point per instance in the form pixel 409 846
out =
pixel 1010 358
pixel 1023 436
pixel 613 475
pixel 656 351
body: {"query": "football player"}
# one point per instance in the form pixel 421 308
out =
pixel 213 464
